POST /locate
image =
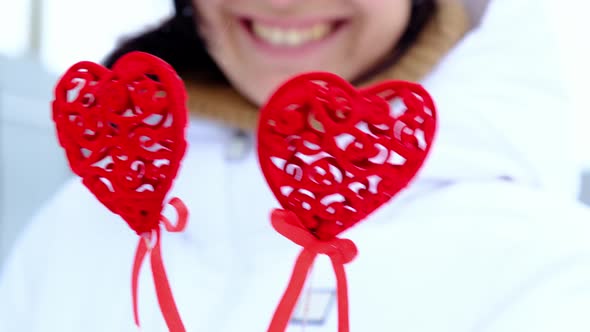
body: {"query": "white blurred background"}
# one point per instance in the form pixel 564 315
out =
pixel 41 38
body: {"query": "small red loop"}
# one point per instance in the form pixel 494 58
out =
pixel 182 220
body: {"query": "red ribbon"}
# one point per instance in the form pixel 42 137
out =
pixel 340 251
pixel 163 291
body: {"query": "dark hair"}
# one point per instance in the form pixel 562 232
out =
pixel 177 42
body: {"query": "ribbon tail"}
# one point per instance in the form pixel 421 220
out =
pixel 140 253
pixel 163 291
pixel 284 310
pixel 342 296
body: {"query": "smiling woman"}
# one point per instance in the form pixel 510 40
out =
pixel 283 38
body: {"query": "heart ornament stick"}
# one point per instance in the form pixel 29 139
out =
pixel 123 131
pixel 333 154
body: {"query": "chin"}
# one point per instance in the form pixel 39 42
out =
pixel 257 98
pixel 258 92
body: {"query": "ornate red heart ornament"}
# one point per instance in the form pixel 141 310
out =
pixel 333 154
pixel 123 131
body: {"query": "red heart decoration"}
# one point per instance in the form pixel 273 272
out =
pixel 123 132
pixel 333 154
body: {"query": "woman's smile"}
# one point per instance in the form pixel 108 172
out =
pixel 291 34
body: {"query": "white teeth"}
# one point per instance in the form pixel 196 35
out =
pixel 294 38
pixel 290 37
pixel 319 31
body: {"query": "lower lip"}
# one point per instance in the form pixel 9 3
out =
pixel 291 51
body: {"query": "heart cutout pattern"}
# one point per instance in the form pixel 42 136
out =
pixel 332 154
pixel 123 132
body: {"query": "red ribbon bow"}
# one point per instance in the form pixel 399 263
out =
pixel 340 251
pixel 163 291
